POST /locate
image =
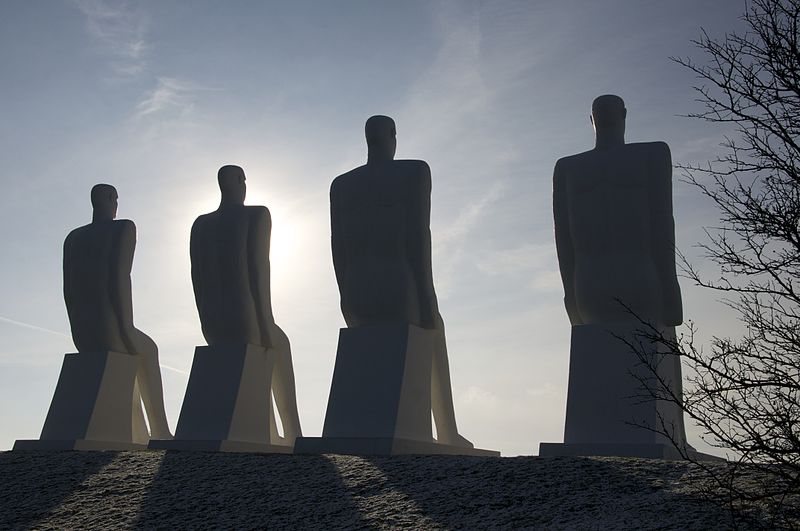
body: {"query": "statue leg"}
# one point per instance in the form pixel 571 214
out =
pixel 283 387
pixel 671 414
pixel 274 436
pixel 148 375
pixel 138 426
pixel 444 414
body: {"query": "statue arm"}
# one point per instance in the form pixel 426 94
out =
pixel 663 230
pixel 338 251
pixel 258 266
pixel 194 259
pixel 420 246
pixel 337 247
pixel 67 261
pixel 122 299
pixel 564 248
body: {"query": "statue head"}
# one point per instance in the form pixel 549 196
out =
pixel 231 184
pixel 381 137
pixel 608 115
pixel 104 202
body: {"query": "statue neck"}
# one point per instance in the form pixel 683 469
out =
pixel 609 139
pixel 227 202
pixel 99 217
pixel 377 155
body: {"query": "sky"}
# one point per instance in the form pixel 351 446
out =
pixel 154 96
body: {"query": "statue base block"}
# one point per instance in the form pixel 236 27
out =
pixel 382 446
pixel 380 399
pixel 610 411
pixel 647 451
pixel 227 406
pixel 75 444
pixel 92 407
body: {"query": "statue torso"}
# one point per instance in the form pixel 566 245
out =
pixel 375 209
pixel 220 255
pixel 608 196
pixel 91 268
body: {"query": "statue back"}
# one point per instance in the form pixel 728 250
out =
pixel 221 274
pixel 91 272
pixel 613 226
pixel 377 214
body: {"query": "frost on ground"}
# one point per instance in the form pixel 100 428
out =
pixel 61 490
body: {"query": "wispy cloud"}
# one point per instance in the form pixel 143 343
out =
pixel 168 94
pixel 452 89
pixel 537 262
pixel 120 30
pixel 449 242
pixel 524 258
pixel 470 215
pixel 476 396
pixel 62 334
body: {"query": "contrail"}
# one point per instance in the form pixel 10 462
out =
pixel 179 371
pixel 40 329
pixel 33 327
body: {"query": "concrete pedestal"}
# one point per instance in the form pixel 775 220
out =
pixel 92 407
pixel 380 398
pixel 607 405
pixel 227 405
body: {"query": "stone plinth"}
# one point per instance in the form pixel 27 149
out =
pixel 608 408
pixel 380 398
pixel 227 405
pixel 93 406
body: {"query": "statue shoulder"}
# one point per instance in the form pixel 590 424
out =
pixel 417 166
pixel 656 156
pixel 125 225
pixel 77 231
pixel 344 180
pixel 417 172
pixel 200 223
pixel 564 165
pixel 74 234
pixel 258 213
pixel 125 230
pixel 653 149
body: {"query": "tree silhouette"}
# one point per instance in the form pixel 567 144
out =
pixel 744 392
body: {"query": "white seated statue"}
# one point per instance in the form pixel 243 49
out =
pixel 381 244
pixel 98 400
pixel 615 239
pixel 248 358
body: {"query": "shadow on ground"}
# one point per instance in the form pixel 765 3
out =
pixel 36 483
pixel 180 490
pixel 573 493
pixel 192 490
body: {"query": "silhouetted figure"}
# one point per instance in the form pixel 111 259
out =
pixel 615 238
pixel 97 290
pixel 231 279
pixel 614 229
pixel 381 243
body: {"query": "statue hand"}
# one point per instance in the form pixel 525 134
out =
pixel 266 340
pixel 673 306
pixel 572 312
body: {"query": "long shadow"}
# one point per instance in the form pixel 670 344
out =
pixel 33 484
pixel 246 491
pixel 563 492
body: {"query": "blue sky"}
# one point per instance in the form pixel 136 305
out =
pixel 153 97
